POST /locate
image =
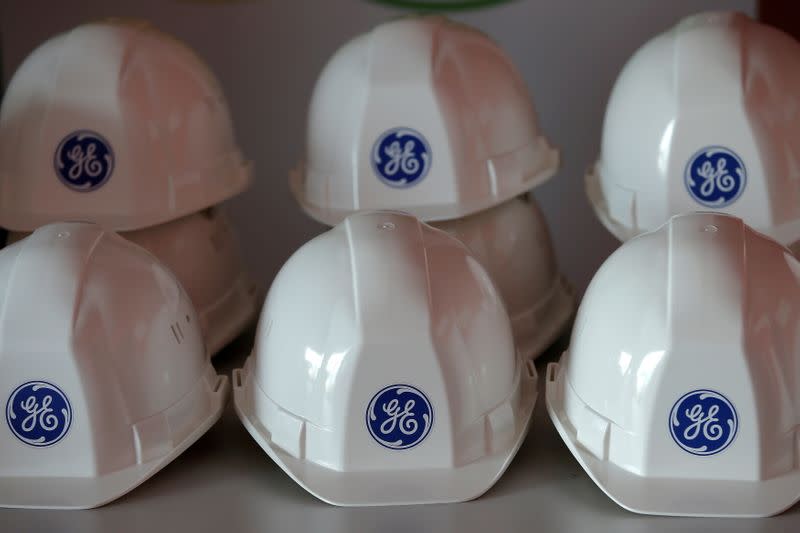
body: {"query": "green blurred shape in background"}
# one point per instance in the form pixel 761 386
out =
pixel 441 5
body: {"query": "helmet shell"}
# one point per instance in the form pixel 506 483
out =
pixel 704 117
pixel 682 375
pixel 116 341
pixel 423 115
pixel 117 123
pixel 384 305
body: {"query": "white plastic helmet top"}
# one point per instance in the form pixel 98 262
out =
pixel 513 244
pixel 202 251
pixel 680 391
pixel 103 375
pixel 384 370
pixel 704 117
pixel 424 115
pixel 116 123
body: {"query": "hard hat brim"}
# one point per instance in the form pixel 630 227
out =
pixel 786 233
pixel 675 496
pixel 429 213
pixel 396 487
pixel 189 194
pixel 91 492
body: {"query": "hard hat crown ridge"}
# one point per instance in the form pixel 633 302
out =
pixel 689 385
pixel 410 350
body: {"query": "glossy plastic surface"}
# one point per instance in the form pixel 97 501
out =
pixel 116 123
pixel 717 84
pixel 383 301
pixel 117 340
pixel 513 244
pixel 468 135
pixel 201 250
pixel 702 304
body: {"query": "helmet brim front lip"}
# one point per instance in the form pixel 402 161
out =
pixel 237 170
pixel 88 493
pixel 672 496
pixel 785 233
pixel 406 487
pixel 428 213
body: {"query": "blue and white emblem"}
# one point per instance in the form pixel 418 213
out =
pixel 84 161
pixel 38 413
pixel 399 417
pixel 703 422
pixel 401 157
pixel 715 177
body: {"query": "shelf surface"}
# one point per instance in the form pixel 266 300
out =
pixel 225 482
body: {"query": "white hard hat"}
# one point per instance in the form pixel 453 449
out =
pixel 512 243
pixel 424 115
pixel 384 369
pixel 704 117
pixel 680 391
pixel 103 373
pixel 117 123
pixel 201 250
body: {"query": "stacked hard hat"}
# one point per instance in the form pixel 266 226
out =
pixel 704 117
pixel 680 391
pixel 384 370
pixel 430 117
pixel 118 123
pixel 103 371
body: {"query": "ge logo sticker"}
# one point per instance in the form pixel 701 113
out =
pixel 38 413
pixel 84 161
pixel 399 417
pixel 703 422
pixel 715 176
pixel 401 157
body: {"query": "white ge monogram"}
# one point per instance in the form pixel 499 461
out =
pixel 401 159
pixel 703 422
pixel 38 413
pixel 85 163
pixel 715 178
pixel 399 417
pixel 41 416
pixel 405 418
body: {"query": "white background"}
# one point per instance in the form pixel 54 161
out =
pixel 268 54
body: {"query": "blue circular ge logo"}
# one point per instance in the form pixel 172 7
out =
pixel 399 417
pixel 703 422
pixel 38 413
pixel 84 161
pixel 401 157
pixel 715 176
